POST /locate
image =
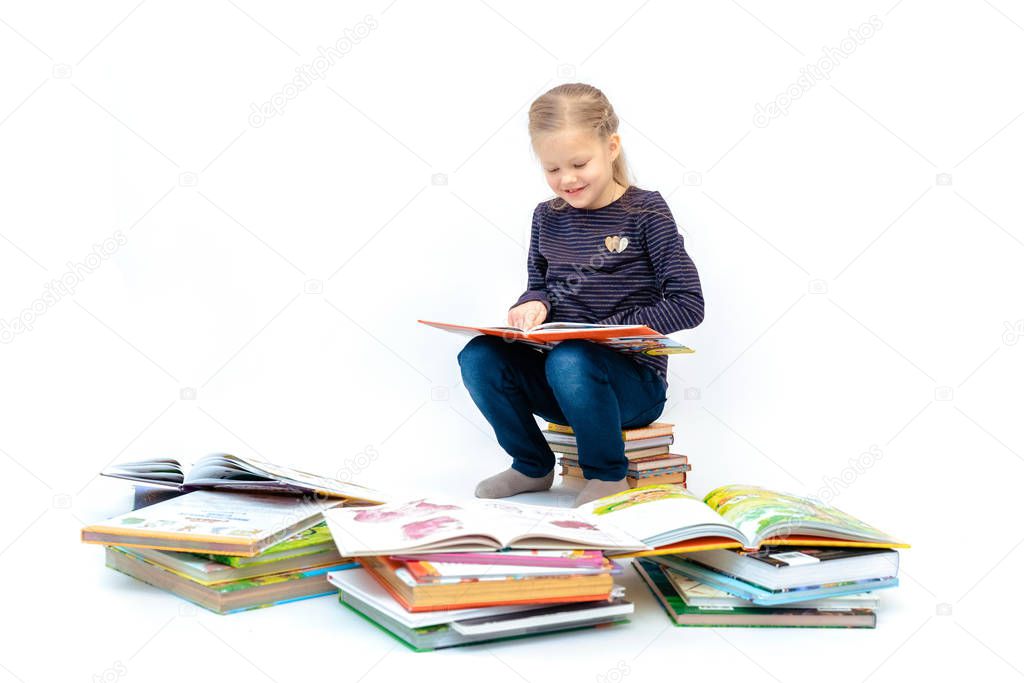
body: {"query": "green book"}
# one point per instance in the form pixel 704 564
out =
pixel 788 617
pixel 314 540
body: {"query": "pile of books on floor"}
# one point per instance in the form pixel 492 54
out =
pixel 226 550
pixel 822 587
pixel 436 573
pixel 765 558
pixel 441 573
pixel 430 604
pixel 647 450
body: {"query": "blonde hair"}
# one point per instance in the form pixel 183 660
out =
pixel 578 105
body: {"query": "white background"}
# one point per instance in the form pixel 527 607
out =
pixel 264 299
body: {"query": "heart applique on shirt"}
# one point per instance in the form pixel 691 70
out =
pixel 616 244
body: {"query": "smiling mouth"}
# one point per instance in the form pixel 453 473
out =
pixel 577 190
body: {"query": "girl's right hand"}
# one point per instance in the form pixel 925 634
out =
pixel 527 316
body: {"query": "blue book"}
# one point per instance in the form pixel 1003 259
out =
pixel 762 596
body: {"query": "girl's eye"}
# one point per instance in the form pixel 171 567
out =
pixel 579 165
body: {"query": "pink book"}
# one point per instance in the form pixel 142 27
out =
pixel 522 558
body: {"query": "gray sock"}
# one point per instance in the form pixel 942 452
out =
pixel 597 488
pixel 510 482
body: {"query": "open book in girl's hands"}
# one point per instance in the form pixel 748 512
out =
pixel 657 519
pixel 233 472
pixel 626 338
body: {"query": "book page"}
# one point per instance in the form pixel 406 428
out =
pixel 437 524
pixel 578 326
pixel 527 526
pixel 225 467
pixel 221 467
pixel 161 472
pixel 760 513
pixel 660 514
pixel 406 526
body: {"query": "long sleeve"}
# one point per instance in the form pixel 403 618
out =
pixel 536 266
pixel 682 305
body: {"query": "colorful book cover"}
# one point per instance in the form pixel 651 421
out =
pixel 212 522
pixel 231 597
pixel 309 541
pixel 748 617
pixel 762 596
pixel 697 594
pixel 202 570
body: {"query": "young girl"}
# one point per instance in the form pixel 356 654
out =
pixel 601 251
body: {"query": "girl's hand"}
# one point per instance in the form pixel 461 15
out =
pixel 527 316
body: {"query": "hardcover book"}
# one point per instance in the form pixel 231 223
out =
pixel 211 522
pixel 627 338
pixel 231 472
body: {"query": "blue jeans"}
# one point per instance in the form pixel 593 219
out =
pixel 596 390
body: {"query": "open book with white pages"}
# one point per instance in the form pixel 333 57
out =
pixel 626 338
pixel 654 519
pixel 224 471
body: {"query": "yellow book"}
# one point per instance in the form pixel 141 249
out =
pixel 650 431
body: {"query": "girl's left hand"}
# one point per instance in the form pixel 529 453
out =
pixel 527 316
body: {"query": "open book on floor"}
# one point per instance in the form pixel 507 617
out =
pixel 671 519
pixel 233 472
pixel 626 338
pixel 663 518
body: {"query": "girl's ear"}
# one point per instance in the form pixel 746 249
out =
pixel 614 145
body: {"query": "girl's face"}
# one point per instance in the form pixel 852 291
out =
pixel 578 166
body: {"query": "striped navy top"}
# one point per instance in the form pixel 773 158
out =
pixel 649 281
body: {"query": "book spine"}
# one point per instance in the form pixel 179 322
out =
pixel 627 434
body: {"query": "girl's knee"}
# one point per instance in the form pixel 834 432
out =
pixel 479 348
pixel 570 360
pixel 480 357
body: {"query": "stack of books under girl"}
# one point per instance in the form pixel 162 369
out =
pixel 436 573
pixel 647 449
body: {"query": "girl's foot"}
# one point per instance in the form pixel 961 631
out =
pixel 510 482
pixel 598 488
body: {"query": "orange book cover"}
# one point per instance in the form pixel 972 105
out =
pixel 626 338
pixel 409 607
